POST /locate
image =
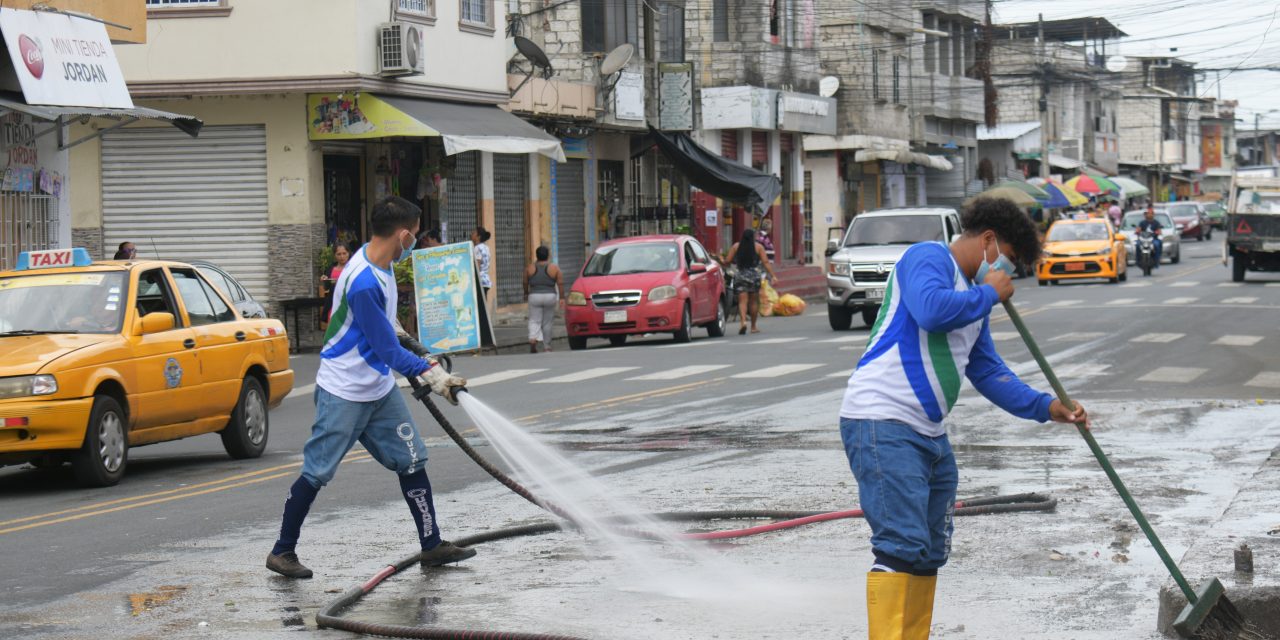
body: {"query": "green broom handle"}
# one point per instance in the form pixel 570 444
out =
pixel 1097 453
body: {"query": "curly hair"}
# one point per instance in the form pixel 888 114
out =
pixel 1010 224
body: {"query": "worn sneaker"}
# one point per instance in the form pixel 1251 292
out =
pixel 445 553
pixel 287 565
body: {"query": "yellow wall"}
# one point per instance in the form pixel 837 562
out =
pixel 290 155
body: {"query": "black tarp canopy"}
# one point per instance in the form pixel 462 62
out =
pixel 717 176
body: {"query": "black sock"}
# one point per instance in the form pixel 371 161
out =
pixel 417 494
pixel 301 495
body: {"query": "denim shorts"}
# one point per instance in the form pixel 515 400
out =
pixel 907 489
pixel 384 426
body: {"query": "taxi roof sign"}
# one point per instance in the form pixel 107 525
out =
pixel 53 259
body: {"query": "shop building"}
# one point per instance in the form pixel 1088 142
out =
pixel 1159 128
pixel 372 99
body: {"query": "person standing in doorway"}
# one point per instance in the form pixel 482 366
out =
pixel 356 396
pixel 479 237
pixel 934 328
pixel 749 259
pixel 544 290
pixel 126 251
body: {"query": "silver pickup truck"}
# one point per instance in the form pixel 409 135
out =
pixel 858 270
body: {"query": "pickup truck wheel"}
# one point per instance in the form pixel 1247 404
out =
pixel 245 435
pixel 1238 267
pixel 840 318
pixel 102 458
pixel 869 315
pixel 577 343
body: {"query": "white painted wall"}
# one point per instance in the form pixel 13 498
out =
pixel 296 39
pixel 826 202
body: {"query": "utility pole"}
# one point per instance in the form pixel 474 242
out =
pixel 1044 103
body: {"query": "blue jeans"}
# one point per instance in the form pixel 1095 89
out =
pixel 1159 250
pixel 907 489
pixel 383 426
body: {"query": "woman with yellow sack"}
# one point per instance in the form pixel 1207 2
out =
pixel 748 257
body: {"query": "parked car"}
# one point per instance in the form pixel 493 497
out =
pixel 1190 219
pixel 1082 249
pixel 646 284
pixel 858 271
pixel 1169 235
pixel 96 358
pixel 244 303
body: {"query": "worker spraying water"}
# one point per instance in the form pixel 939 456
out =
pixel 356 396
pixel 933 327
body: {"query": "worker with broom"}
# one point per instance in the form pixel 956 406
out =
pixel 934 327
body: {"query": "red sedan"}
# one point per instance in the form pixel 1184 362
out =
pixel 646 284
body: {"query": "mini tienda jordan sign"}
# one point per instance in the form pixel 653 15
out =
pixel 61 60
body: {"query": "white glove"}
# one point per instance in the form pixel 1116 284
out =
pixel 443 383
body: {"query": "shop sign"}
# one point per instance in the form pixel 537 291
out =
pixel 64 61
pixel 628 96
pixel 806 113
pixel 675 96
pixel 744 107
pixel 445 295
pixel 352 116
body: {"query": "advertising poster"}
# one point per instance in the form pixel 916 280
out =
pixel 445 292
pixel 348 116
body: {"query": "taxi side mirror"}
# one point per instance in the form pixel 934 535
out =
pixel 154 322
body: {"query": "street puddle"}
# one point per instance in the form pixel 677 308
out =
pixel 140 603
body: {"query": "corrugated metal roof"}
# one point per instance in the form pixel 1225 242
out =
pixel 1007 130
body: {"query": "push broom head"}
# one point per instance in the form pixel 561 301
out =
pixel 1213 617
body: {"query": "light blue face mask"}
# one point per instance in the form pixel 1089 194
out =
pixel 405 254
pixel 1001 263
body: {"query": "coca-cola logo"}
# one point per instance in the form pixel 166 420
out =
pixel 32 55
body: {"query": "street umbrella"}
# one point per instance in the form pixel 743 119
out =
pixel 1092 185
pixel 1131 188
pixel 1074 197
pixel 1108 185
pixel 1056 199
pixel 1017 196
pixel 1029 189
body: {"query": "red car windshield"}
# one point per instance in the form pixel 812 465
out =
pixel 654 257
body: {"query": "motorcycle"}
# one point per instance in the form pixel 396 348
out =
pixel 1144 250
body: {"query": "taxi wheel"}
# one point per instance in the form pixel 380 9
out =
pixel 102 458
pixel 245 436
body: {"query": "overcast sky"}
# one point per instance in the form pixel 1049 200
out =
pixel 1217 34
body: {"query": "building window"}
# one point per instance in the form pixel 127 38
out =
pixel 875 74
pixel 155 4
pixel 930 43
pixel 897 91
pixel 418 7
pixel 671 30
pixel 720 20
pixel 606 24
pixel 187 8
pixel 476 13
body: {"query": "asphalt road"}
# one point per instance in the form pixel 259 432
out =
pixel 1187 332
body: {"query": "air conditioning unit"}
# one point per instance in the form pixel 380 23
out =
pixel 400 49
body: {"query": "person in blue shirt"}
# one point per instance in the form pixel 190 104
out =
pixel 933 330
pixel 1149 223
pixel 356 396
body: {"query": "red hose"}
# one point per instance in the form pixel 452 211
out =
pixel 386 572
pixel 775 526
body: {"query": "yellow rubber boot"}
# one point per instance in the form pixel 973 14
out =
pixel 886 605
pixel 919 607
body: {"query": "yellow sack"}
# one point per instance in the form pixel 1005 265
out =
pixel 768 297
pixel 789 305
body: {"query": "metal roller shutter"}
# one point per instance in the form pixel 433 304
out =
pixel 572 224
pixel 187 198
pixel 462 204
pixel 509 173
pixel 946 188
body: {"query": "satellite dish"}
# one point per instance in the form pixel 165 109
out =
pixel 617 59
pixel 536 56
pixel 828 86
pixel 1116 64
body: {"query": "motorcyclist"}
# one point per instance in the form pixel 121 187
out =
pixel 1149 223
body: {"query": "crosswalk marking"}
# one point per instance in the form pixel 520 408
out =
pixel 1240 300
pixel 1269 379
pixel 844 340
pixel 695 343
pixel 1272 284
pixel 1158 337
pixel 1120 301
pixel 1173 374
pixel 681 372
pixel 1003 335
pixel 585 374
pixel 1077 336
pixel 1064 303
pixel 1185 283
pixel 1180 300
pixel 1238 341
pixel 1136 284
pixel 1230 284
pixel 501 376
pixel 775 340
pixel 776 371
pixel 840 374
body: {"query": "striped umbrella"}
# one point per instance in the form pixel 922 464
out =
pixel 1029 189
pixel 1075 198
pixel 1057 200
pixel 1092 185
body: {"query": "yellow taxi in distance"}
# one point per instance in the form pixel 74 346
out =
pixel 1082 248
pixel 97 357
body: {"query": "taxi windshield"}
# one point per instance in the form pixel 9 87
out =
pixel 62 303
pixel 1073 232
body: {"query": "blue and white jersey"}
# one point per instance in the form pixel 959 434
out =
pixel 360 346
pixel 933 326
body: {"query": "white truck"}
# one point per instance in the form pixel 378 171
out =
pixel 1253 225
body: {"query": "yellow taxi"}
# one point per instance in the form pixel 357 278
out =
pixel 97 357
pixel 1082 248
